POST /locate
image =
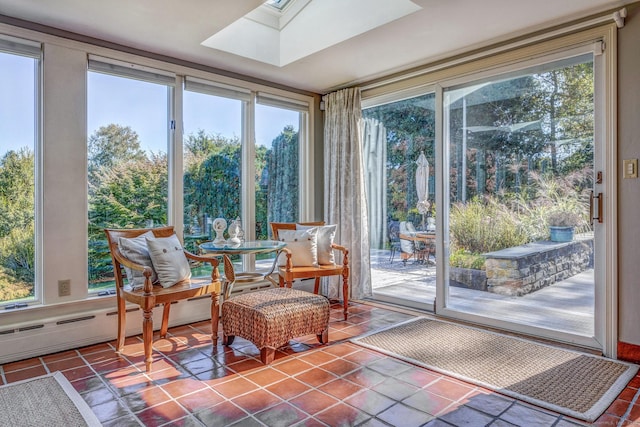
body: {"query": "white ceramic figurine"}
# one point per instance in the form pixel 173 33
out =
pixel 235 232
pixel 219 225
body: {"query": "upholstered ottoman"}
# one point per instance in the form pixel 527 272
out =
pixel 270 318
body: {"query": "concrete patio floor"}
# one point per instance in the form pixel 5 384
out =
pixel 566 306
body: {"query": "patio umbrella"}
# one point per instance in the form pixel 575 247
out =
pixel 422 183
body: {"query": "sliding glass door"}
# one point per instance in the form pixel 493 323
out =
pixel 399 157
pixel 520 151
pixel 484 197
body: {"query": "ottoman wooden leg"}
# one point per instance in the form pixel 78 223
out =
pixel 228 339
pixel 323 338
pixel 267 354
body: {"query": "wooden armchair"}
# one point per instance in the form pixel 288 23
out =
pixel 150 295
pixel 288 273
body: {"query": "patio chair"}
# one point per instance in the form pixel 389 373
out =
pixel 393 236
pixel 407 246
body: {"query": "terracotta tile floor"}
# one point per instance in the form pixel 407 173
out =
pixel 341 384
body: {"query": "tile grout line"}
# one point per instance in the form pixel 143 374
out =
pixel 626 414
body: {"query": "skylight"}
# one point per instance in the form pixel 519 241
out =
pixel 277 4
pixel 280 32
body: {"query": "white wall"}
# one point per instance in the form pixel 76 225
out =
pixel 629 189
pixel 64 180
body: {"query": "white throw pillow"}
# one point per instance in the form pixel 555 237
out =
pixel 135 250
pixel 326 234
pixel 303 245
pixel 169 260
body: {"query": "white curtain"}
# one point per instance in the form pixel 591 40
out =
pixel 374 143
pixel 344 186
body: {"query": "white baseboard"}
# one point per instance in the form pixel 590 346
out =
pixel 53 335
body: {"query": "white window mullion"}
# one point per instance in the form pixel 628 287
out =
pixel 248 184
pixel 176 157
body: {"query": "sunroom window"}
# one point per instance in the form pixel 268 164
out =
pixel 127 146
pixel 19 77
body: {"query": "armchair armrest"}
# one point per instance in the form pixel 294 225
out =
pixel 340 248
pixel 289 263
pixel 345 253
pixel 146 270
pixel 215 273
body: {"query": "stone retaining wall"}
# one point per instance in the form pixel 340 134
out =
pixel 468 278
pixel 520 270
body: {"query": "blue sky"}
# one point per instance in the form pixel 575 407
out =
pixel 140 105
pixel 16 102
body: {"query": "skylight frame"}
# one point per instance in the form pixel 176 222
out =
pixel 278 5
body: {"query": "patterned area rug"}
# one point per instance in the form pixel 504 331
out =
pixel 49 400
pixel 572 383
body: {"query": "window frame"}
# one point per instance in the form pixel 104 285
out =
pixel 250 96
pixel 601 40
pixel 32 49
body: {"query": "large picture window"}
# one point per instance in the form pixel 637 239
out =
pixel 129 130
pixel 277 167
pixel 212 159
pixel 19 76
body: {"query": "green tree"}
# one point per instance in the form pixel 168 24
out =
pixel 283 177
pixel 16 190
pixel 131 194
pixel 127 188
pixel 111 145
pixel 211 178
pixel 17 250
pixel 410 128
pixel 570 93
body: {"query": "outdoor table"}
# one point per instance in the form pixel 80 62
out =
pixel 425 237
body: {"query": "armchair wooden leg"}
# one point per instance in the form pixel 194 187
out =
pixel 165 320
pixel 316 286
pixel 345 294
pixel 147 337
pixel 288 282
pixel 122 322
pixel 215 318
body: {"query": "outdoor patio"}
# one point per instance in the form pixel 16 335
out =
pixel 566 306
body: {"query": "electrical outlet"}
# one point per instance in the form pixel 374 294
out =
pixel 64 288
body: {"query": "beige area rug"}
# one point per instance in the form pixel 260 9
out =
pixel 49 401
pixel 572 383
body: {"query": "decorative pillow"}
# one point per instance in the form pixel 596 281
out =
pixel 169 260
pixel 303 245
pixel 326 234
pixel 135 250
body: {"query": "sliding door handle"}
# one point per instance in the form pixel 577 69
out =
pixel 597 215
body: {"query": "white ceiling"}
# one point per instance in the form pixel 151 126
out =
pixel 441 28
